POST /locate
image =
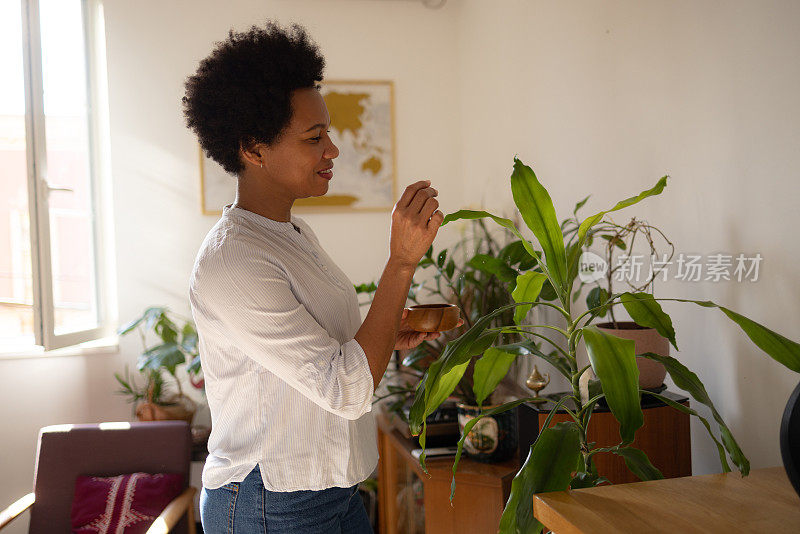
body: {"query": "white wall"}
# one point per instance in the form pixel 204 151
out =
pixel 152 47
pixel 601 97
pixel 605 98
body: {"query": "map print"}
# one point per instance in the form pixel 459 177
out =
pixel 363 174
pixel 361 126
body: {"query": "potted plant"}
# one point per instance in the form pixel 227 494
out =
pixel 561 457
pixel 154 399
pixel 620 244
pixel 478 273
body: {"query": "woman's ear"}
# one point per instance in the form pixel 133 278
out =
pixel 252 153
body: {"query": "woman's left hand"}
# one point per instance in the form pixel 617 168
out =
pixel 408 338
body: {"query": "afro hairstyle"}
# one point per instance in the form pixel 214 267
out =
pixel 241 93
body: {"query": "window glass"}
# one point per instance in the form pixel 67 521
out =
pixel 16 281
pixel 68 168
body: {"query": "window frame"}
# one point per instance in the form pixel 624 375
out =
pixel 39 188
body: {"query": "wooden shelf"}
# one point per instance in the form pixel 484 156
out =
pixel 481 489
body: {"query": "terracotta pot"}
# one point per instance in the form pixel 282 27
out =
pixel 181 410
pixel 651 373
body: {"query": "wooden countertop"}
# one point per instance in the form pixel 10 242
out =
pixel 764 501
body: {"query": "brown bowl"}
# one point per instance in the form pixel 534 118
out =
pixel 433 317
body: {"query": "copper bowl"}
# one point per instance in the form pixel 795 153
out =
pixel 433 317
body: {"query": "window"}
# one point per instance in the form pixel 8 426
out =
pixel 54 249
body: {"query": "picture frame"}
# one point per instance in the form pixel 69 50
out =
pixel 365 173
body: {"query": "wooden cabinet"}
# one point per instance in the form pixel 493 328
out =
pixel 481 490
pixel 412 502
pixel 664 437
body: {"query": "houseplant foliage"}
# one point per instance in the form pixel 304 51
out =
pixel 563 449
pixel 478 273
pixel 177 346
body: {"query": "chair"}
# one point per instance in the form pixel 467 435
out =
pixel 105 449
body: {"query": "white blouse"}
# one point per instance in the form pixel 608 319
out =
pixel 288 386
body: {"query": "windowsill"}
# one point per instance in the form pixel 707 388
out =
pixel 106 345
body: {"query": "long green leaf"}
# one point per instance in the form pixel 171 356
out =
pixel 167 355
pixel 689 382
pixel 529 285
pixel 723 459
pixel 493 366
pixel 639 464
pixel 645 311
pixel 594 219
pixel 505 223
pixel 614 362
pixel 536 207
pixel 781 349
pixel 494 266
pixel 549 467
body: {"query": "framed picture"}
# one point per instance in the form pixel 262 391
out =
pixel 365 176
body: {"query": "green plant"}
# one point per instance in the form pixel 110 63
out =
pixel 622 239
pixel 478 273
pixel 178 344
pixel 563 449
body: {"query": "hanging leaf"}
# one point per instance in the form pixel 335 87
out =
pixel 493 266
pixel 529 285
pixel 689 382
pixel 505 223
pixel 549 467
pixel 645 311
pixel 579 205
pixel 493 366
pixel 639 464
pixel 595 299
pixel 615 240
pixel 168 356
pixel 441 258
pixel 614 362
pixel 685 409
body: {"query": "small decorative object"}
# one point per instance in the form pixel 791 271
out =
pixel 537 382
pixel 362 127
pixel 493 438
pixel 433 317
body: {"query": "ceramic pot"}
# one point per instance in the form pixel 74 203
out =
pixel 493 438
pixel 651 373
pixel 182 409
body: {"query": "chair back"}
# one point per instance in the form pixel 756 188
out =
pixel 105 449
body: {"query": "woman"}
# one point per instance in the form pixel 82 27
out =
pixel 290 369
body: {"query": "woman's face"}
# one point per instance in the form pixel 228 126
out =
pixel 300 163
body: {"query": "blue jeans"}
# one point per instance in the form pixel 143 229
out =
pixel 246 507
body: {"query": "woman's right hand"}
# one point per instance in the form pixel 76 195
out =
pixel 415 221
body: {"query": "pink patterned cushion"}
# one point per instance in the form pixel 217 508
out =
pixel 124 504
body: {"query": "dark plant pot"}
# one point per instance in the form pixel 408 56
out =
pixel 651 373
pixel 493 438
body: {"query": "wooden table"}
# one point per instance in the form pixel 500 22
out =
pixel 764 501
